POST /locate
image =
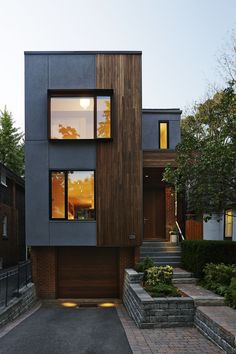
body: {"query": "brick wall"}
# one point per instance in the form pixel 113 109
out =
pixel 44 271
pixel 170 210
pixel 127 260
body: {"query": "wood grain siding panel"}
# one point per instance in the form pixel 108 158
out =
pixel 158 158
pixel 119 162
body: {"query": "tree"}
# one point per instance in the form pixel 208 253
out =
pixel 11 144
pixel 206 156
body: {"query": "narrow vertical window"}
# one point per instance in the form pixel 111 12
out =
pixel 58 195
pixel 163 135
pixel 81 195
pixel 229 223
pixel 103 117
pixel 4 227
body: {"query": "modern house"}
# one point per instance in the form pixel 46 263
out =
pixel 94 162
pixel 12 216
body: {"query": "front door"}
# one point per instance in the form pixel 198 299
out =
pixel 154 213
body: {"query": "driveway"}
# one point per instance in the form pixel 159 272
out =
pixel 58 330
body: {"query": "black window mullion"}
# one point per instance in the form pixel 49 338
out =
pixel 95 117
pixel 66 194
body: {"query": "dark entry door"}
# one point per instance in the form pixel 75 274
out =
pixel 154 213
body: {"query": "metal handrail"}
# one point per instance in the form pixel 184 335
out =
pixel 179 229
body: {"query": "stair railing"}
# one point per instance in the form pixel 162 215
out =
pixel 179 229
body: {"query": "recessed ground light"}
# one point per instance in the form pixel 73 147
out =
pixel 69 304
pixel 146 176
pixel 107 304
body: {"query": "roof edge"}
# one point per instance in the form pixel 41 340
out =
pixel 85 52
pixel 162 110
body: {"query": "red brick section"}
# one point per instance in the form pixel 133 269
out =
pixel 165 340
pixel 170 210
pixel 44 271
pixel 126 261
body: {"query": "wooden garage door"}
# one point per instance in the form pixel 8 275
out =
pixel 87 272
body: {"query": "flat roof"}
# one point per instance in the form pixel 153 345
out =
pixel 162 110
pixel 85 52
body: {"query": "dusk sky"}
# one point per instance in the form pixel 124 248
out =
pixel 180 41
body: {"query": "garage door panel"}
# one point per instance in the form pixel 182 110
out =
pixel 86 272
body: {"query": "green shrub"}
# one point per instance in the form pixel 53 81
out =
pixel 146 263
pixel 196 254
pixel 230 296
pixel 217 277
pixel 162 290
pixel 156 275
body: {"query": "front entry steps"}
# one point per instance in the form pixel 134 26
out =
pixel 162 253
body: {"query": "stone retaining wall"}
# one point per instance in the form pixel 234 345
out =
pixel 26 300
pixel 149 312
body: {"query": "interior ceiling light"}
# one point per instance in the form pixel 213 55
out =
pixel 84 102
pixel 146 176
pixel 107 304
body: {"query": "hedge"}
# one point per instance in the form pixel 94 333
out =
pixel 195 254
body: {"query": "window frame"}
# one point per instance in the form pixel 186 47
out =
pixel 159 134
pixel 225 214
pixel 66 171
pixel 94 93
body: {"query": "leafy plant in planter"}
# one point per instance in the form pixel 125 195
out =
pixel 143 266
pixel 158 282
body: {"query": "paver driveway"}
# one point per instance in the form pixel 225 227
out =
pixel 57 330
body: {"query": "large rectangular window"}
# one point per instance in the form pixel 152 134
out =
pixel 163 135
pixel 80 116
pixel 72 195
pixel 229 223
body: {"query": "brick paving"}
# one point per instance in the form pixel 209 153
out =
pixel 165 340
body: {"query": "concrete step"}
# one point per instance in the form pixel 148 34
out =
pixel 180 273
pixel 159 245
pixel 218 323
pixel 160 253
pixel 164 258
pixel 184 280
pixel 173 264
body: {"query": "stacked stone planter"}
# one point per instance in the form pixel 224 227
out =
pixel 148 312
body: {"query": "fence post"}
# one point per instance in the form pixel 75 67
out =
pixel 26 280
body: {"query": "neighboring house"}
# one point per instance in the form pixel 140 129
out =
pixel 94 163
pixel 221 227
pixel 12 216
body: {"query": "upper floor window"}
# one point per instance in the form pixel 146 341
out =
pixel 72 195
pixel 229 223
pixel 163 135
pixel 78 115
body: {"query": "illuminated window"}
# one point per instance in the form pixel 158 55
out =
pixel 72 195
pixel 228 223
pixel 163 135
pixel 80 116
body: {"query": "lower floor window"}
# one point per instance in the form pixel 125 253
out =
pixel 72 195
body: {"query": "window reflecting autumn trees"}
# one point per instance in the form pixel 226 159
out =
pixel 75 118
pixel 72 195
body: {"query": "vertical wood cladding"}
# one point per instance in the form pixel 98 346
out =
pixel 119 162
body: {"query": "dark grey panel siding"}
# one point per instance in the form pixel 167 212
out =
pixel 37 193
pixel 72 233
pixel 43 72
pixel 72 71
pixel 73 155
pixel 150 129
pixel 36 85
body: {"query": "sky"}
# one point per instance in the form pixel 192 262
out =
pixel 180 41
